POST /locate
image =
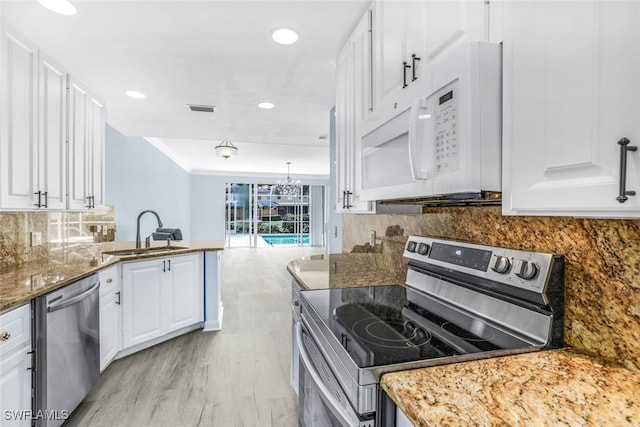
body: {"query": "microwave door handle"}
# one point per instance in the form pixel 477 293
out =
pixel 418 171
pixel 327 396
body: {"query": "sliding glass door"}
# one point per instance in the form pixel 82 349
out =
pixel 262 215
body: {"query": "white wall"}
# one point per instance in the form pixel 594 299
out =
pixel 140 177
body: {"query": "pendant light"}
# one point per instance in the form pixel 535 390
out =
pixel 226 149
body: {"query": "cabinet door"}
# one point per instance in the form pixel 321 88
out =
pixel 110 316
pixel 18 115
pixel 15 387
pixel 352 104
pixel 52 149
pixel 143 299
pixel 341 112
pixel 15 366
pixel 390 48
pixel 96 132
pixel 448 23
pixel 569 96
pixel 185 292
pixel 79 145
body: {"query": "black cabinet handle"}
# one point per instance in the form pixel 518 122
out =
pixel 164 266
pixel 46 199
pixel 347 195
pixel 344 200
pixel 39 194
pixel 118 301
pixel 169 262
pixel 624 148
pixel 414 58
pixel 404 74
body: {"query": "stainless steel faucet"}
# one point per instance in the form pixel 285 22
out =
pixel 147 242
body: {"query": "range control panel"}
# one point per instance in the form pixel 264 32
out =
pixel 521 269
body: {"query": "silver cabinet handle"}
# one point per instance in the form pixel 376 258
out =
pixel 624 148
pixel 5 336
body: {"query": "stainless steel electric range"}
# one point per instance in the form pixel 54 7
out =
pixel 460 302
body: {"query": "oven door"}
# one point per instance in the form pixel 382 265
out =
pixel 321 401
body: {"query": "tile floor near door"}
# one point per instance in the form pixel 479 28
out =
pixel 235 377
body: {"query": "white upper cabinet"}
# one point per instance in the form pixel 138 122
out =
pixel 18 121
pixel 33 139
pixel 35 160
pixel 353 103
pixel 571 93
pixel 86 148
pixel 52 134
pixel 407 36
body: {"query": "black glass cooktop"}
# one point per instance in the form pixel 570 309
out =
pixel 379 325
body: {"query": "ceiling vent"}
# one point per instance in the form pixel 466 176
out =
pixel 202 108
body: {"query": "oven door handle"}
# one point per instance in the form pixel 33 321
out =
pixel 346 418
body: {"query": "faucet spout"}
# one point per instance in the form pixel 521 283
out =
pixel 138 240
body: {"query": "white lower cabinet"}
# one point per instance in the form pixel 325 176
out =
pixel 186 289
pixel 110 316
pixel 15 367
pixel 160 296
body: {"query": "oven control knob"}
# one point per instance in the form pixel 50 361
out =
pixel 423 248
pixel 411 246
pixel 526 270
pixel 501 265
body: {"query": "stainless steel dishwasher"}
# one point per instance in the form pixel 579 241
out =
pixel 67 347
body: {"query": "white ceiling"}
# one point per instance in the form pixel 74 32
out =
pixel 206 52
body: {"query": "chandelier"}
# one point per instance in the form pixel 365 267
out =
pixel 288 187
pixel 226 149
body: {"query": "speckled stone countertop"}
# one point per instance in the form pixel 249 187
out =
pixel 346 270
pixel 68 263
pixel 545 388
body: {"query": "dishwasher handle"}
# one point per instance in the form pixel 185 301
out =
pixel 66 303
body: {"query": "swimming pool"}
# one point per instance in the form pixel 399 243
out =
pixel 285 239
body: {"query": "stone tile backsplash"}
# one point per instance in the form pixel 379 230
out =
pixel 55 228
pixel 602 264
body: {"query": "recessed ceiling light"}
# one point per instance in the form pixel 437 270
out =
pixel 135 94
pixel 62 7
pixel 284 36
pixel 266 105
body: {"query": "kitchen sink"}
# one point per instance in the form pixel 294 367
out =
pixel 142 251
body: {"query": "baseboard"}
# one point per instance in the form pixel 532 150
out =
pixel 136 348
pixel 214 325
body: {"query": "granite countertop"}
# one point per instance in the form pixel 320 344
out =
pixel 70 262
pixel 346 270
pixel 544 388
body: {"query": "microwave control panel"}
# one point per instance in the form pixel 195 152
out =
pixel 446 156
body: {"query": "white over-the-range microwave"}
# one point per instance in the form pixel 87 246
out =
pixel 448 142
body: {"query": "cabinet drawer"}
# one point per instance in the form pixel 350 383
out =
pixel 15 328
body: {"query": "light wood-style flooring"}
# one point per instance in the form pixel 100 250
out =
pixel 235 377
